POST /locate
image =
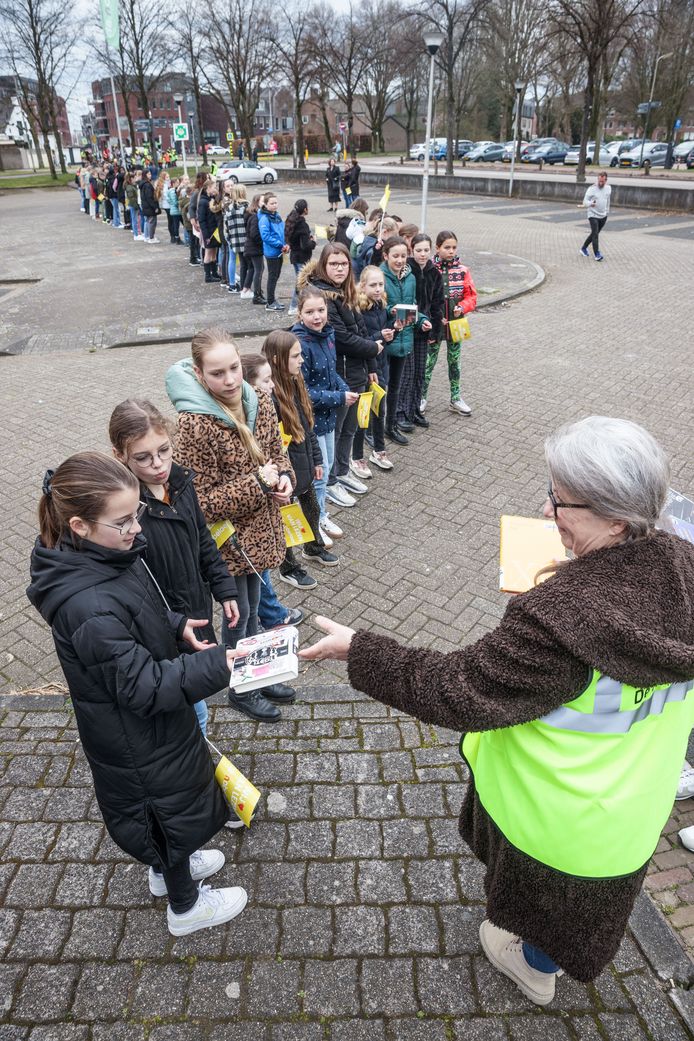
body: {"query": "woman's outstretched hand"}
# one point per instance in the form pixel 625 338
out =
pixel 334 646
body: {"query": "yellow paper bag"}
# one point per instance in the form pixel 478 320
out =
pixel 364 407
pixel 321 231
pixel 378 395
pixel 222 531
pixel 459 329
pixel 286 438
pixel 297 529
pixel 240 793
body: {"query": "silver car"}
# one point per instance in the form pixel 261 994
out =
pixel 654 153
pixel 244 171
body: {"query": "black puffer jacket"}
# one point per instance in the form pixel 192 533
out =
pixel 148 200
pixel 355 352
pixel 300 241
pixel 303 456
pixel 376 319
pixel 206 218
pixel 182 554
pixel 133 695
pixel 254 242
pixel 430 296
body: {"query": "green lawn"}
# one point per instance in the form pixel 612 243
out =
pixel 15 179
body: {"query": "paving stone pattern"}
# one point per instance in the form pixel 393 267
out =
pixel 364 903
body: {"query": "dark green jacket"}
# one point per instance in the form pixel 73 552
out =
pixel 401 291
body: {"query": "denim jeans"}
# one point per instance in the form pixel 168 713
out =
pixel 134 220
pixel 270 611
pixel 537 959
pixel 231 270
pixel 327 447
pixel 116 213
pixel 83 198
pixel 295 295
pixel 202 714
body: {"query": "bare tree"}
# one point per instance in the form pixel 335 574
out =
pixel 592 28
pixel 39 40
pixel 146 50
pixel 299 65
pixel 118 66
pixel 190 32
pixel 383 26
pixel 346 51
pixel 514 40
pixel 413 80
pixel 242 54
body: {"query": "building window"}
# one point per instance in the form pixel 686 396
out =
pixel 304 120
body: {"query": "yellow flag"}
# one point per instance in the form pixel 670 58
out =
pixel 383 204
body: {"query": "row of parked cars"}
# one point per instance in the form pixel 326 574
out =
pixel 552 151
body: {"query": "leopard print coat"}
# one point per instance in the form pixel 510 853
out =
pixel 228 488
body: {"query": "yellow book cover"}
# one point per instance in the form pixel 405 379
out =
pixel 364 408
pixel 221 531
pixel 286 438
pixel 527 545
pixel 378 396
pixel 297 529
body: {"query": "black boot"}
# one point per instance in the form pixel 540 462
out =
pixel 420 420
pixel 280 693
pixel 405 426
pixel 254 705
pixel 393 434
pixel 259 299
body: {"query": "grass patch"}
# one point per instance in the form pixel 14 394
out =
pixel 40 180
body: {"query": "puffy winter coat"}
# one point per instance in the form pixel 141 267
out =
pixel 325 388
pixel 356 353
pixel 181 553
pixel 304 455
pixel 300 241
pixel 271 229
pixel 172 202
pixel 376 319
pixel 227 479
pixel 332 176
pixel 133 696
pixel 206 218
pixel 148 200
pixel 458 287
pixel 254 243
pixel 344 219
pixel 131 196
pixel 430 299
pixel 401 291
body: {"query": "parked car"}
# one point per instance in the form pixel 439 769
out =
pixel 216 150
pixel 463 147
pixel 681 151
pixel 243 171
pixel 537 142
pixel 690 160
pixel 654 152
pixel 571 157
pixel 485 152
pixel 554 153
pixel 418 151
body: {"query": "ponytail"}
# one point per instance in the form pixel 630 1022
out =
pixel 80 487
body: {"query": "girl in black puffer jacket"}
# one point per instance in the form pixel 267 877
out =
pixel 295 413
pixel 253 252
pixel 131 689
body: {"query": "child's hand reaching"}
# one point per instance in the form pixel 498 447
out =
pixel 388 335
pixel 351 397
pixel 426 326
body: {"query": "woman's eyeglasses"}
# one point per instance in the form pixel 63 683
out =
pixel 127 526
pixel 564 505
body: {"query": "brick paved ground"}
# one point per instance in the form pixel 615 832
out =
pixel 364 905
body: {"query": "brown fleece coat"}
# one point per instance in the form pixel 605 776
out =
pixel 228 487
pixel 628 611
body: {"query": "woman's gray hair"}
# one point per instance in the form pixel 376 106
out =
pixel 614 466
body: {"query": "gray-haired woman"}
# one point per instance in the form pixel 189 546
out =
pixel 576 711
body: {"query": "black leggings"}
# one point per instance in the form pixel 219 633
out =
pixel 247 598
pixel 274 270
pixel 396 365
pixel 183 891
pixel 255 264
pixel 596 226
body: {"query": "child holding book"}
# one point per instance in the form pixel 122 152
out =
pixel 295 413
pixel 228 434
pixel 380 326
pixel 326 389
pixel 429 301
pixel 401 294
pixel 132 690
pixel 459 298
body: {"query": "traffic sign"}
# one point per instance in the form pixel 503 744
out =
pixel 230 135
pixel 180 131
pixel 647 106
pixel 678 124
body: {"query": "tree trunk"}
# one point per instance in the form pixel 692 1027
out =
pixel 326 122
pixel 299 131
pixel 587 107
pixel 201 127
pixel 56 134
pixel 450 105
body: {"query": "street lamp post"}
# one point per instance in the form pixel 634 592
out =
pixel 432 41
pixel 178 101
pixel 660 58
pixel 518 87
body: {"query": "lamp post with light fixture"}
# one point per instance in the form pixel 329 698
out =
pixel 432 41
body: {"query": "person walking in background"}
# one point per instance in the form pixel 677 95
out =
pixel 597 203
pixel 332 177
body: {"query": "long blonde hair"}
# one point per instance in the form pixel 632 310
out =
pixel 202 342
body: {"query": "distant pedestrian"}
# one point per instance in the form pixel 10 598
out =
pixel 332 177
pixel 597 203
pixel 337 151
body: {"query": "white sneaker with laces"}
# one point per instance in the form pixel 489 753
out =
pixel 423 405
pixel 686 837
pixel 293 311
pixel 353 486
pixel 339 496
pixel 460 407
pixel 331 527
pixel 505 952
pixel 327 541
pixel 360 469
pixel 381 460
pixel 685 788
pixel 203 863
pixel 213 907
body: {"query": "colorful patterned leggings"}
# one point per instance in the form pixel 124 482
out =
pixel 453 357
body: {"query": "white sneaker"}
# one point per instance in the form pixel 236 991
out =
pixel 331 527
pixel 353 486
pixel 234 823
pixel 292 311
pixel 155 239
pixel 381 460
pixel 139 238
pixel 460 407
pixel 685 788
pixel 213 907
pixel 423 405
pixel 327 541
pixel 505 952
pixel 339 496
pixel 686 837
pixel 360 469
pixel 203 863
pixel 245 294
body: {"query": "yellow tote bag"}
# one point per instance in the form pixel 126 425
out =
pixel 297 529
pixel 240 793
pixel 221 532
pixel 459 329
pixel 378 395
pixel 364 407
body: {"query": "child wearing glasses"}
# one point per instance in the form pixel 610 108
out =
pixel 132 689
pixel 181 553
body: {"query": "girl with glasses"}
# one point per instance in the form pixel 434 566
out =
pixel 132 689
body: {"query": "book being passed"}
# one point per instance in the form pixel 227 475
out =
pixel 267 658
pixel 527 545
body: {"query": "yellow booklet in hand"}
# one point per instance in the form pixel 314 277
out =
pixel 297 529
pixel 527 545
pixel 221 532
pixel 321 231
pixel 363 408
pixel 378 396
pixel 286 438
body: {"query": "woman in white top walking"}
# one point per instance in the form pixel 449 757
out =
pixel 597 202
